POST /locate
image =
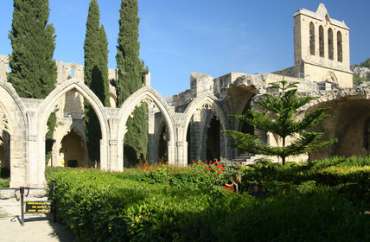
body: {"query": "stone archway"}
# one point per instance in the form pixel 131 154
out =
pixel 14 114
pixel 74 150
pixel 350 131
pixel 199 104
pixel 145 94
pixel 47 107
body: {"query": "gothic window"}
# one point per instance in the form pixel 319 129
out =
pixel 339 46
pixel 321 41
pixel 312 39
pixel 331 44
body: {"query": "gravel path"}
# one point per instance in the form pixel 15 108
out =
pixel 35 229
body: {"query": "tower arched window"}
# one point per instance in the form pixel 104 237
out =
pixel 340 46
pixel 312 38
pixel 321 42
pixel 330 44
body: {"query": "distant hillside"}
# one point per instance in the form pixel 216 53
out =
pixel 361 73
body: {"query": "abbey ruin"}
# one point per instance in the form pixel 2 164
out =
pixel 187 126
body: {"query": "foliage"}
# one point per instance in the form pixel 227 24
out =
pixel 4 182
pixel 4 177
pixel 130 78
pixel 136 138
pixel 163 203
pixel 96 55
pixel 33 70
pixel 366 63
pixel 96 75
pixel 49 139
pixel 357 77
pixel 278 114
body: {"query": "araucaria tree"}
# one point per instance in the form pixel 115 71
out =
pixel 130 78
pixel 278 114
pixel 95 74
pixel 33 70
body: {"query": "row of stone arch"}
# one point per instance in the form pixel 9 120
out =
pixel 27 121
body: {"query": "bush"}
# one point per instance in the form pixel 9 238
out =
pixel 167 204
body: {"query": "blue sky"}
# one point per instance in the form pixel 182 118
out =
pixel 211 36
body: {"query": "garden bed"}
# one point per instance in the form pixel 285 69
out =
pixel 302 203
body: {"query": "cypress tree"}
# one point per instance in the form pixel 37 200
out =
pixel 96 74
pixel 33 70
pixel 130 78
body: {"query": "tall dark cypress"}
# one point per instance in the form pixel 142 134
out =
pixel 96 74
pixel 130 78
pixel 33 70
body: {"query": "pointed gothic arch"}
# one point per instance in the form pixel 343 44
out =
pixel 205 103
pixel 14 111
pixel 47 107
pixel 149 95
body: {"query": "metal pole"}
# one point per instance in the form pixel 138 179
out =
pixel 21 189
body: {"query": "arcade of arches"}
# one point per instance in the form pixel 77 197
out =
pixel 189 125
pixel 194 132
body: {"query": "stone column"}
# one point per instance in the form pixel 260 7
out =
pixel 152 146
pixel 35 141
pixel 115 143
pixel 180 149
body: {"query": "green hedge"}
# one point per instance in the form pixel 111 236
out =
pixel 166 204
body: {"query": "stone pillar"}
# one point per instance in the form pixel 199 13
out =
pixel 35 142
pixel 182 153
pixel 152 146
pixel 18 165
pixel 171 153
pixel 115 143
pixel 115 163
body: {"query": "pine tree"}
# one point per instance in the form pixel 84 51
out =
pixel 130 78
pixel 96 75
pixel 33 70
pixel 278 114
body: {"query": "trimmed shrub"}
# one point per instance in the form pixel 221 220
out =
pixel 167 204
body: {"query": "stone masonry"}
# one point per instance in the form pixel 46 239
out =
pixel 187 126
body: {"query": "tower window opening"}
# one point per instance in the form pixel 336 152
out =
pixel 312 39
pixel 339 46
pixel 321 41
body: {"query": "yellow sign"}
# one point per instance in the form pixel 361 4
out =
pixel 37 207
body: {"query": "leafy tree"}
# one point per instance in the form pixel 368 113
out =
pixel 277 113
pixel 33 70
pixel 96 75
pixel 130 78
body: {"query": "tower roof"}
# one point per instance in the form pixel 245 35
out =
pixel 322 14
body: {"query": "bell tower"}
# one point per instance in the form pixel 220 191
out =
pixel 321 46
